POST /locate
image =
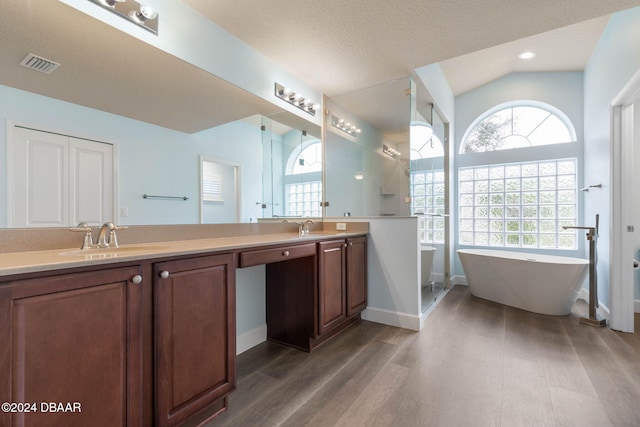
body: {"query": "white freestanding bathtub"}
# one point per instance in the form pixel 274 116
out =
pixel 545 284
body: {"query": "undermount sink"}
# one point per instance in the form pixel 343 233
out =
pixel 111 252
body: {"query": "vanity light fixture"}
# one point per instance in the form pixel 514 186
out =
pixel 389 151
pixel 294 98
pixel 140 12
pixel 345 126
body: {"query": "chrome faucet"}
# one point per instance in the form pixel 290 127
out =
pixel 592 237
pixel 301 227
pixel 591 234
pixel 305 227
pixel 106 236
pixel 87 241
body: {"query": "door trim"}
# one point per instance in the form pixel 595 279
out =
pixel 621 242
pixel 237 184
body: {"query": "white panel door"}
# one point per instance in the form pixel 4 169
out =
pixel 58 181
pixel 90 182
pixel 39 179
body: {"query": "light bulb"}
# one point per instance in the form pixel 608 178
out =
pixel 147 10
pixel 137 17
pixel 108 3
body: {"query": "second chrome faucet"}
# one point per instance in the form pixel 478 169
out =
pixel 303 226
pixel 106 236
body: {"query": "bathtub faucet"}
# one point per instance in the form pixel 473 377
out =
pixel 591 234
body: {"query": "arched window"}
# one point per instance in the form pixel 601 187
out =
pixel 518 124
pixel 527 202
pixel 425 144
pixel 307 159
pixel 303 180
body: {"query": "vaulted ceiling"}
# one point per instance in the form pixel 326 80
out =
pixel 335 47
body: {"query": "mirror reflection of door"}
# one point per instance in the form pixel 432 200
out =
pixel 57 180
pixel 219 191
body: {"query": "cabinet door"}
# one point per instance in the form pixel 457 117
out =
pixel 72 346
pixel 356 275
pixel 195 335
pixel 331 285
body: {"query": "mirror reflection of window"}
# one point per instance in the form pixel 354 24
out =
pixel 424 143
pixel 303 187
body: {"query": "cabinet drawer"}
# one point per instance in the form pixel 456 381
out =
pixel 266 256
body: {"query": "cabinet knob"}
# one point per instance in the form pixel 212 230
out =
pixel 345 245
pixel 137 279
pixel 285 253
pixel 350 243
pixel 164 274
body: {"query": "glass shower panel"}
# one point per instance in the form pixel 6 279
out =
pixel 267 169
pixel 429 196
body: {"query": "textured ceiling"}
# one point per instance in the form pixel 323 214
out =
pixel 336 47
pixel 339 47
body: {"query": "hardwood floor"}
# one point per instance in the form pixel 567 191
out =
pixel 476 363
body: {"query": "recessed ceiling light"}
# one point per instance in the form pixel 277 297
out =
pixel 527 55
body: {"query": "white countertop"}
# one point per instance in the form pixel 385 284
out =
pixel 57 259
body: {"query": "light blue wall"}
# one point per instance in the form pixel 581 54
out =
pixel 150 159
pixel 436 84
pixel 562 90
pixel 181 33
pixel 614 61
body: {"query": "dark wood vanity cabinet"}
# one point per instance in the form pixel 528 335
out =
pixel 315 296
pixel 195 333
pixel 332 310
pixel 153 342
pixel 71 349
pixel 342 281
pixel 356 275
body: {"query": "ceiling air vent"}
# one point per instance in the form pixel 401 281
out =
pixel 38 63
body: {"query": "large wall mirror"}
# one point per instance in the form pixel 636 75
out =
pixel 170 124
pixel 367 149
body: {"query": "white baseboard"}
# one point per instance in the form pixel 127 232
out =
pixel 636 306
pixel 459 280
pixel 437 277
pixel 251 339
pixel 425 314
pixel 392 318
